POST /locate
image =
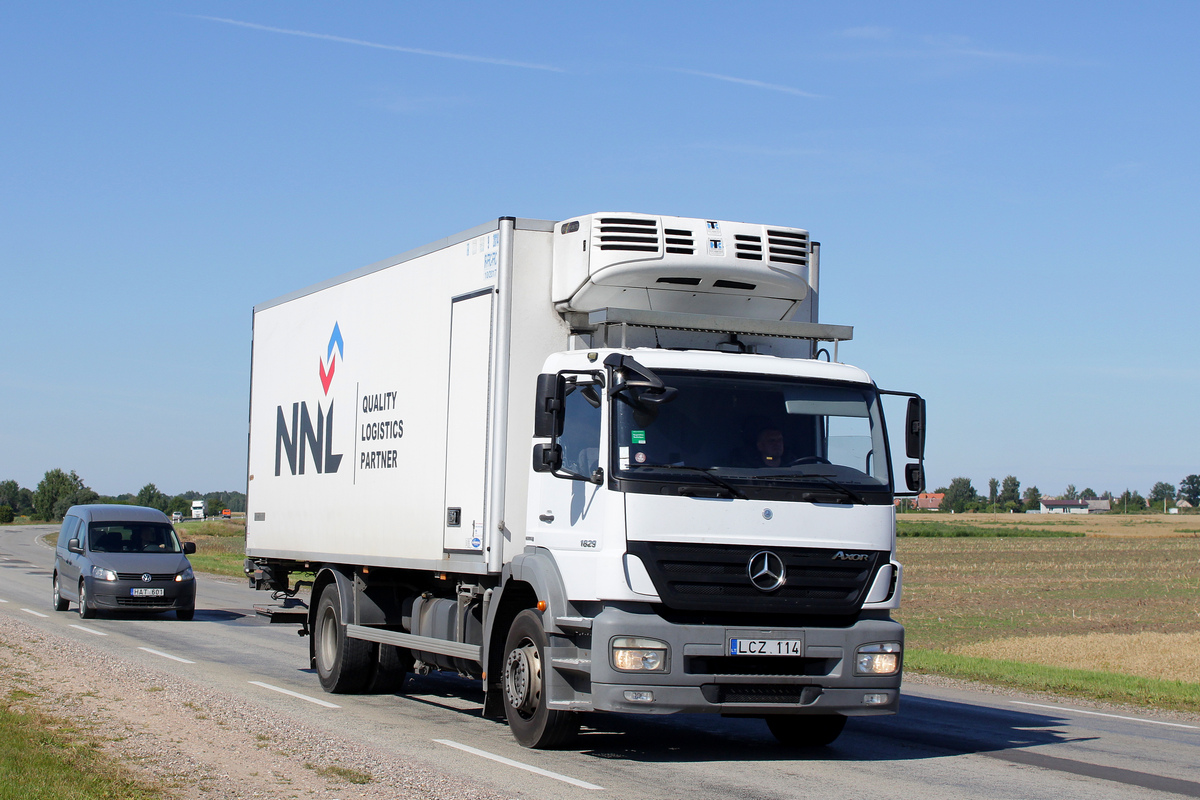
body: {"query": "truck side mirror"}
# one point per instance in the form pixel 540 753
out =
pixel 914 476
pixel 547 457
pixel 74 546
pixel 548 413
pixel 914 429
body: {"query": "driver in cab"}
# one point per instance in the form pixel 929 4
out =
pixel 770 447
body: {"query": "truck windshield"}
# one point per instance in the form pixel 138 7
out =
pixel 751 431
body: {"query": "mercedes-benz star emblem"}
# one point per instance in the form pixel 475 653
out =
pixel 766 571
pixel 146 577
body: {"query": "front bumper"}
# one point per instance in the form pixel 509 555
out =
pixel 118 595
pixel 702 677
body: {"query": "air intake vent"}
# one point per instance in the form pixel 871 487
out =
pixel 634 235
pixel 749 247
pixel 680 242
pixel 680 281
pixel 788 247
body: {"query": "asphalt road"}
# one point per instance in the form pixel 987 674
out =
pixel 943 744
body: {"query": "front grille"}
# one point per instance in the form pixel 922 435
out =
pixel 629 234
pixel 154 576
pixel 715 577
pixel 145 601
pixel 760 693
pixel 788 247
pixel 767 666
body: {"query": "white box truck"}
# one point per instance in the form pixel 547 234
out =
pixel 197 509
pixel 602 464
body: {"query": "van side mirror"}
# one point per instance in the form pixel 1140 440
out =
pixel 549 400
pixel 914 429
pixel 189 548
pixel 74 546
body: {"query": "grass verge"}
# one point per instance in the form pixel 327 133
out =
pixel 45 758
pixel 962 530
pixel 1106 687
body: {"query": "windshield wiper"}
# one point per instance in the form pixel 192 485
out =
pixel 847 491
pixel 729 487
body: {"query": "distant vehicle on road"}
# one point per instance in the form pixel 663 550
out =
pixel 112 557
pixel 226 513
pixel 176 516
pixel 197 509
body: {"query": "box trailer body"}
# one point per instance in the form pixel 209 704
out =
pixel 596 463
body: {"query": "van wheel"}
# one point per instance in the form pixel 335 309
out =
pixel 58 603
pixel 806 730
pixel 344 665
pixel 185 614
pixel 525 679
pixel 85 609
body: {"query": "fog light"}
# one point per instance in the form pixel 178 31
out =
pixel 880 699
pixel 634 654
pixel 640 697
pixel 877 659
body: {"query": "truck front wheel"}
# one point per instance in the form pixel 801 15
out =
pixel 344 665
pixel 806 730
pixel 526 674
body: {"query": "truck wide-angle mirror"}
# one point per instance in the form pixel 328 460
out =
pixel 548 414
pixel 547 457
pixel 914 429
pixel 914 476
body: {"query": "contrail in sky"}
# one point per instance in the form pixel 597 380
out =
pixel 747 82
pixel 362 43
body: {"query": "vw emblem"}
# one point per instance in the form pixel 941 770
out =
pixel 766 571
pixel 146 577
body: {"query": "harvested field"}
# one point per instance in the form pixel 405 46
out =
pixel 1163 656
pixel 1107 525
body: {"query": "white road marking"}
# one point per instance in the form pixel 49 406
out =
pixel 294 694
pixel 89 630
pixel 528 768
pixel 1110 716
pixel 2 600
pixel 35 613
pixel 166 655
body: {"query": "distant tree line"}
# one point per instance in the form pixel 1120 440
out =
pixel 60 490
pixel 1007 496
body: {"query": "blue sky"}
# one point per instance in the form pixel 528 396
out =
pixel 1007 199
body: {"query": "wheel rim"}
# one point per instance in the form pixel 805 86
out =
pixel 57 596
pixel 82 599
pixel 523 678
pixel 327 647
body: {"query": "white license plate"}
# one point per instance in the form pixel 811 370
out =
pixel 139 592
pixel 766 647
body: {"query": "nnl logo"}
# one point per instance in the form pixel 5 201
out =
pixel 303 436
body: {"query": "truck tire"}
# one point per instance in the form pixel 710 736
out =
pixel 85 609
pixel 344 665
pixel 525 676
pixel 58 603
pixel 391 668
pixel 806 730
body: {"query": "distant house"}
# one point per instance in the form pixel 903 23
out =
pixel 1181 503
pixel 929 501
pixel 1055 506
pixel 1099 506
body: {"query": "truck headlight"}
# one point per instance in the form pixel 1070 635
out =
pixel 102 574
pixel 877 659
pixel 634 654
pixel 186 575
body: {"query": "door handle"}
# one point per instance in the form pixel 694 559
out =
pixel 547 517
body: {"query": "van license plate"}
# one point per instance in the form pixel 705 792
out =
pixel 140 592
pixel 766 647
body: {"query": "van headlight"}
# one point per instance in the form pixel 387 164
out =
pixel 882 658
pixel 102 574
pixel 186 575
pixel 635 654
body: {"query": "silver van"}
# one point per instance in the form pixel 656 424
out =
pixel 122 558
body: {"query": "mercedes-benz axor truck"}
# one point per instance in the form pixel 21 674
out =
pixel 607 464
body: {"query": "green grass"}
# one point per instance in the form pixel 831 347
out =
pixel 1103 686
pixel 952 530
pixel 220 545
pixel 45 758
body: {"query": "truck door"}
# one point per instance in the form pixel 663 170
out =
pixel 466 421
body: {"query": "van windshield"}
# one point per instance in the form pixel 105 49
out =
pixel 132 537
pixel 751 430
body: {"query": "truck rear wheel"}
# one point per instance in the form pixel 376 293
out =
pixel 391 668
pixel 525 680
pixel 344 665
pixel 806 730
